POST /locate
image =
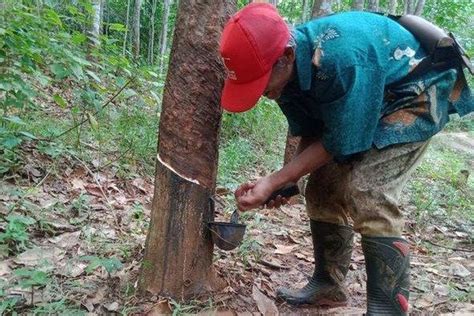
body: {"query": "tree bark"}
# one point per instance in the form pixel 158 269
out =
pixel 304 14
pixel 322 8
pixel 95 23
pixel 392 7
pixel 127 25
pixel 164 32
pixel 409 7
pixel 419 7
pixel 357 5
pixel 151 37
pixel 178 253
pixel 136 28
pixel 373 5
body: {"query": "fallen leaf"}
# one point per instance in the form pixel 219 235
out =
pixel 112 307
pixel 74 269
pixel 35 256
pixel 94 190
pixel 441 290
pixel 5 267
pixel 161 308
pixel 265 305
pixel 78 184
pixel 283 249
pixel 305 257
pixel 458 269
pixel 66 240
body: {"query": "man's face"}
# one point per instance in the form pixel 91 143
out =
pixel 282 72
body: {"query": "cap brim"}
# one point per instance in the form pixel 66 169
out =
pixel 243 97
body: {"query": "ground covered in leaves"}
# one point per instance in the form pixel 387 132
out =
pixel 72 237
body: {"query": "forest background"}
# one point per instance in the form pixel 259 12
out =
pixel 81 83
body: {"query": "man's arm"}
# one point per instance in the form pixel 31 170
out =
pixel 311 156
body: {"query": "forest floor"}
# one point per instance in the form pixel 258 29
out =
pixel 73 238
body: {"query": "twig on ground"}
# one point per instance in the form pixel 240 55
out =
pixel 23 197
pixel 108 204
pixel 272 265
pixel 447 247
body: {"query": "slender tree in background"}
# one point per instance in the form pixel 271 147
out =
pixel 419 7
pixel 320 8
pixel 358 5
pixel 95 22
pixel 127 27
pixel 164 32
pixel 392 7
pixel 136 28
pixel 151 38
pixel 373 5
pixel 178 254
pixel 304 14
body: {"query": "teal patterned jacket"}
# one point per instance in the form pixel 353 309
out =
pixel 344 63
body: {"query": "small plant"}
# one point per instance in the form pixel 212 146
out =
pixel 111 265
pixel 16 234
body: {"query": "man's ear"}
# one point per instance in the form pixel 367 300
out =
pixel 290 54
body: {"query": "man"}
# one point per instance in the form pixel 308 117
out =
pixel 362 136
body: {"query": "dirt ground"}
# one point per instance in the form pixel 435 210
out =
pixel 88 237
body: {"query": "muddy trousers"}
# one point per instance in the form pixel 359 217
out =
pixel 367 190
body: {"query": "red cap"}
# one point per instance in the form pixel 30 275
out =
pixel 252 41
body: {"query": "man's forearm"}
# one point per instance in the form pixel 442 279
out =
pixel 311 157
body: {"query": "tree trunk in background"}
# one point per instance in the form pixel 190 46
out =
pixel 274 2
pixel 321 8
pixel 392 7
pixel 409 7
pixel 304 14
pixel 419 7
pixel 373 5
pixel 127 26
pixel 151 38
pixel 358 5
pixel 179 252
pixel 136 29
pixel 164 32
pixel 95 23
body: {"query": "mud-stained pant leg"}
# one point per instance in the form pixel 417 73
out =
pixel 324 194
pixel 375 185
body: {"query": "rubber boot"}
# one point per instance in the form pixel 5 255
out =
pixel 387 261
pixel 332 253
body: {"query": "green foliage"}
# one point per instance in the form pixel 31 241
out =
pixel 111 265
pixel 31 278
pixel 442 188
pixel 16 234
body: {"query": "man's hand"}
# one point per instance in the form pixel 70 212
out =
pixel 254 195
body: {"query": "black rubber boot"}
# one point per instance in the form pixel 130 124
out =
pixel 332 253
pixel 387 261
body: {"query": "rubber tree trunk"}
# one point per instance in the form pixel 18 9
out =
pixel 151 37
pixel 136 28
pixel 304 14
pixel 322 8
pixel 164 32
pixel 392 7
pixel 357 5
pixel 419 7
pixel 95 23
pixel 178 253
pixel 373 5
pixel 127 26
